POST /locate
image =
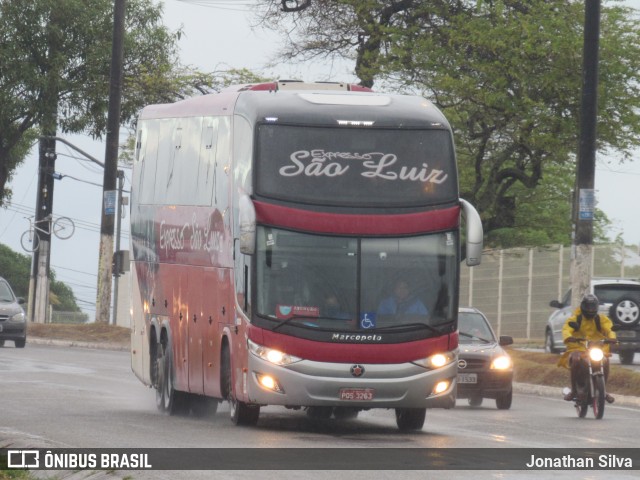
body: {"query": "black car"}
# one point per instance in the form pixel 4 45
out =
pixel 485 370
pixel 13 325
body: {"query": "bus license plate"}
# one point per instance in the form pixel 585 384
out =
pixel 467 378
pixel 356 394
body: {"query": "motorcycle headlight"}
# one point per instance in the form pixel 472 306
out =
pixel 503 362
pixel 437 360
pixel 596 354
pixel 272 355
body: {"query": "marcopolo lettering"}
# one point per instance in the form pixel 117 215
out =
pixel 355 337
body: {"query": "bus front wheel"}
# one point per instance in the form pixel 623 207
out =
pixel 409 419
pixel 241 413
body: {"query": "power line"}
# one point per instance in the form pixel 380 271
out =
pixel 74 271
pixel 222 5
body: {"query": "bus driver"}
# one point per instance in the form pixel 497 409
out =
pixel 402 301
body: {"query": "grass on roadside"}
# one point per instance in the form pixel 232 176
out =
pixel 540 369
pixel 84 332
pixel 15 475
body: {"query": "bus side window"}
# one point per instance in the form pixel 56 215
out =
pixel 207 166
pixel 223 161
pixel 148 162
pixel 165 158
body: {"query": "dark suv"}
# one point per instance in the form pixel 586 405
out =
pixel 13 325
pixel 619 300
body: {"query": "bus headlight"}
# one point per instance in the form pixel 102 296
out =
pixel 436 361
pixel 503 362
pixel 271 355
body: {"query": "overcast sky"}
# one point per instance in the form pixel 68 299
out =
pixel 218 34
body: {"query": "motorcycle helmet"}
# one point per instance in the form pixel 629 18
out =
pixel 589 305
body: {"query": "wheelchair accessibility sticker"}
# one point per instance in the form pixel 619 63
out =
pixel 368 320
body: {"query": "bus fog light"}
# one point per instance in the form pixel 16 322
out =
pixel 269 382
pixel 441 387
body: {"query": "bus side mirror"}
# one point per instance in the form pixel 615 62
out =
pixel 247 223
pixel 474 234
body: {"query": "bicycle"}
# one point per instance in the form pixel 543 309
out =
pixel 61 227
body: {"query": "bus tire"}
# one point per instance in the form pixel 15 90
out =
pixel 319 413
pixel 240 413
pixel 175 402
pixel 409 419
pixel 158 375
pixel 345 413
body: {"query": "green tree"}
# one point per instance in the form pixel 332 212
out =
pixel 15 268
pixel 55 58
pixel 506 73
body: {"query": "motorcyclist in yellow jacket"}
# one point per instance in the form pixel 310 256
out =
pixel 592 326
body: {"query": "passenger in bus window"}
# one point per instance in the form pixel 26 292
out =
pixel 332 309
pixel 402 301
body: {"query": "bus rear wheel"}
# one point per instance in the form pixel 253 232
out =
pixel 168 399
pixel 241 413
pixel 409 419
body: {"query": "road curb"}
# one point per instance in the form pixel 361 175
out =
pixel 546 391
pixel 73 343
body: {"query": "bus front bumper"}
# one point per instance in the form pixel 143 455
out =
pixel 310 383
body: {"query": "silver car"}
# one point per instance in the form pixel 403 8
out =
pixel 13 325
pixel 619 300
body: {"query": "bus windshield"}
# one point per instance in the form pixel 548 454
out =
pixel 356 284
pixel 356 167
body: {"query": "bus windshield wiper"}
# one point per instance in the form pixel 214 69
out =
pixel 305 317
pixel 404 325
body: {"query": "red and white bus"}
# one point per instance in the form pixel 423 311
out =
pixel 272 226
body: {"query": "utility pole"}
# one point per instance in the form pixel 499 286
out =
pixel 118 258
pixel 40 262
pixel 584 200
pixel 37 310
pixel 105 261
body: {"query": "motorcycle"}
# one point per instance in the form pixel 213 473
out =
pixel 590 389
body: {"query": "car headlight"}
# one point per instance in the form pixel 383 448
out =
pixel 436 361
pixel 272 355
pixel 17 318
pixel 503 362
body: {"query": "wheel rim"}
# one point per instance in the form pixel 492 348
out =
pixel 233 407
pixel 63 228
pixel 598 398
pixel 161 402
pixel 627 311
pixel 548 346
